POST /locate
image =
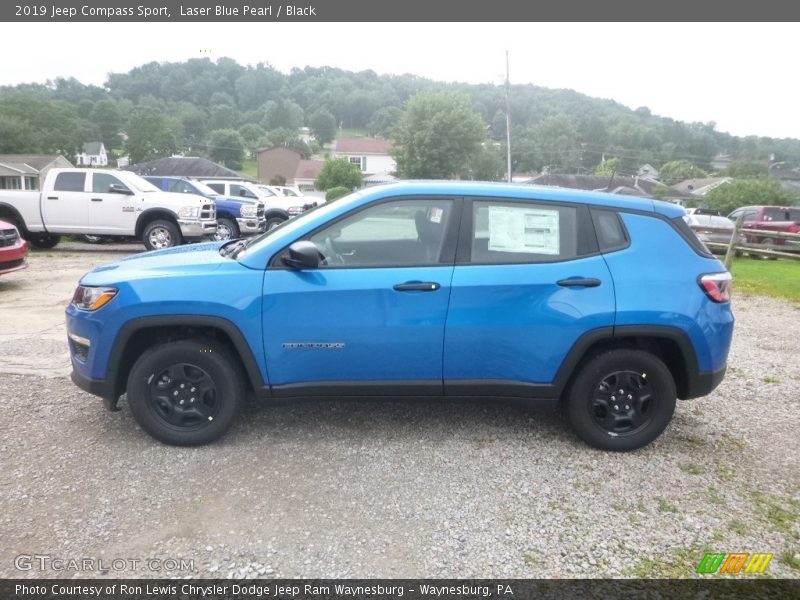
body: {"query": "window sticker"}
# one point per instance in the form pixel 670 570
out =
pixel 436 214
pixel 523 229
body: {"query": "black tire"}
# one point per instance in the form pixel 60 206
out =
pixel 43 241
pixel 161 234
pixel 606 419
pixel 273 222
pixel 227 229
pixel 199 412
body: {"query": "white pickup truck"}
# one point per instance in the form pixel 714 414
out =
pixel 106 203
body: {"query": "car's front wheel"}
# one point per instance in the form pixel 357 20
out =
pixel 185 393
pixel 227 229
pixel 161 234
pixel 621 400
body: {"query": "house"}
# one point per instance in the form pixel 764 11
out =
pixel 25 171
pixel 305 174
pixel 92 155
pixel 648 171
pixel 184 166
pixel 371 155
pixel 272 163
pixel 721 162
pixel 696 187
pixel 618 184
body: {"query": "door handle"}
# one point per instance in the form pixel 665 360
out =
pixel 579 282
pixel 417 286
pixel 52 197
pixel 97 199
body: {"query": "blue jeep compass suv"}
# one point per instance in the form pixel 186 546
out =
pixel 608 304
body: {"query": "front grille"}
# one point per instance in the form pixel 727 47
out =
pixel 12 264
pixel 208 211
pixel 260 211
pixel 8 237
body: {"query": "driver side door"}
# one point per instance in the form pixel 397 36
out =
pixel 372 315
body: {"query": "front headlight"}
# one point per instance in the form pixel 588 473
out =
pixel 295 210
pixel 189 212
pixel 92 298
pixel 248 210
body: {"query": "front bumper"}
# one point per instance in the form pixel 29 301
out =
pixel 251 224
pixel 197 228
pixel 13 258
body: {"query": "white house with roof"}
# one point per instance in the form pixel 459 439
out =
pixel 25 171
pixel 93 154
pixel 370 154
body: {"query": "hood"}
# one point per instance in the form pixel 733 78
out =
pixel 169 262
pixel 238 199
pixel 176 199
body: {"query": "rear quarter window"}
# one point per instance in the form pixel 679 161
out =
pixel 69 182
pixel 611 234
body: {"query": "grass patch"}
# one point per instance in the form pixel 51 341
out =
pixel 771 379
pixel 781 513
pixel 666 507
pixel 790 558
pixel 724 473
pixel 776 278
pixel 679 564
pixel 737 526
pixel 618 506
pixel 531 559
pixel 692 469
pixel 714 497
pixel 249 168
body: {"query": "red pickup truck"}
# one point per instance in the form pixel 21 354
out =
pixel 781 219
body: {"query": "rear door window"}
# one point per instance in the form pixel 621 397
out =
pixel 70 182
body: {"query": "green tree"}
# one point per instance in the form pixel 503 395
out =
pixel 676 171
pixel 150 135
pixel 227 147
pixel 487 164
pixel 438 134
pixel 743 169
pixel 283 114
pixel 383 121
pixel 744 192
pixel 323 125
pixel 286 138
pixel 338 172
pixel 108 119
pixel 251 134
pixel 607 168
pixel 335 193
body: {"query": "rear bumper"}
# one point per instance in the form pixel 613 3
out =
pixel 702 384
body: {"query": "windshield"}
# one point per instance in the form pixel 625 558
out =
pixel 299 221
pixel 204 189
pixel 268 191
pixel 141 185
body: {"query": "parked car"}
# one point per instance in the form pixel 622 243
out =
pixel 607 304
pixel 298 202
pixel 289 191
pixel 236 216
pixel 704 211
pixel 105 203
pixel 13 249
pixel 710 228
pixel 781 219
pixel 276 209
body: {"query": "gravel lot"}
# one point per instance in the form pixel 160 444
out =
pixel 385 489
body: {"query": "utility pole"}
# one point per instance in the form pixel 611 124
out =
pixel 508 121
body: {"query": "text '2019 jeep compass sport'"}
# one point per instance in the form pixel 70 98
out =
pixel 606 303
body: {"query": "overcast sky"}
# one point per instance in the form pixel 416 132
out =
pixel 742 76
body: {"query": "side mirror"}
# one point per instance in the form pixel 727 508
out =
pixel 116 188
pixel 302 255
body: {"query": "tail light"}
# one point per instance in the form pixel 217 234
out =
pixel 717 286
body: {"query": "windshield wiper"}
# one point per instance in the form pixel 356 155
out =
pixel 233 248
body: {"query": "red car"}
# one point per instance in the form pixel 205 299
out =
pixel 13 249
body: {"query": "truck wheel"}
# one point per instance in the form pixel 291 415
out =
pixel 621 400
pixel 161 234
pixel 227 229
pixel 273 222
pixel 43 240
pixel 185 393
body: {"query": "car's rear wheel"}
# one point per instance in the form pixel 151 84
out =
pixel 185 393
pixel 273 222
pixel 621 400
pixel 43 241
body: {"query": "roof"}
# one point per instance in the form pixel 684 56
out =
pixel 36 161
pixel 698 186
pixel 362 146
pixel 16 169
pixel 308 169
pixel 186 166
pixel 92 148
pixel 535 192
pixel 643 187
